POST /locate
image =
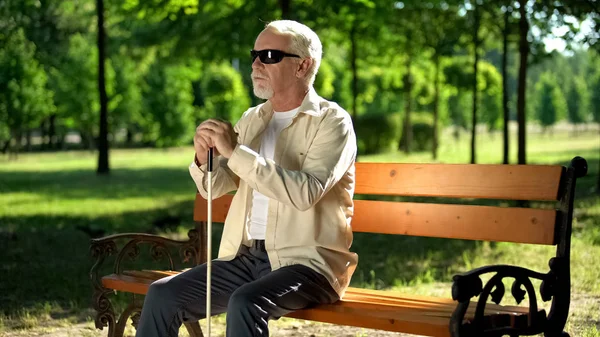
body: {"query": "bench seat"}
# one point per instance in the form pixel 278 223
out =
pixel 383 310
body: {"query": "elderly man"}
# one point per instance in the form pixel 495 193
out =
pixel 285 244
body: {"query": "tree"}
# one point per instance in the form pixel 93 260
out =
pixel 222 93
pixel 476 43
pixel 524 53
pixel 24 98
pixel 490 86
pixel 125 105
pixel 103 165
pixel 595 98
pixel 506 29
pixel 442 29
pixel 75 83
pixel 551 105
pixel 545 16
pixel 168 102
pixel 578 100
pixel 49 26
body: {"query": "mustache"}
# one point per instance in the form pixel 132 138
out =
pixel 255 76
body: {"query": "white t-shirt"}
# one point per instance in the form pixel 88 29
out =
pixel 257 220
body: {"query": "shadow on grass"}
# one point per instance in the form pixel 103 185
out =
pixel 45 259
pixel 49 261
pixel 85 184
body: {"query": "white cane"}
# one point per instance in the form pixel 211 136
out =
pixel 209 239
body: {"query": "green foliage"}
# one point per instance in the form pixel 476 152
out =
pixel 491 109
pixel 595 98
pixel 24 97
pixel 578 101
pixel 459 105
pixel 551 105
pixel 379 91
pixel 422 131
pixel 125 106
pixel 221 93
pixel 376 132
pixel 490 86
pixel 422 136
pixel 168 98
pixel 76 86
pixel 387 34
pixel 324 80
pixel 459 73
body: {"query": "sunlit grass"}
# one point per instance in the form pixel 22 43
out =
pixel 47 197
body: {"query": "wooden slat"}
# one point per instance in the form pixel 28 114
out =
pixel 220 207
pixel 412 324
pixel 389 298
pixel 385 310
pixel 471 222
pixel 354 297
pixel 510 182
pixel 127 283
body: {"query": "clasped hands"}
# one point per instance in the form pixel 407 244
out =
pixel 217 134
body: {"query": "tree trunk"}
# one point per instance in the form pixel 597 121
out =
pixel 103 167
pixel 475 62
pixel 86 141
pixel 524 52
pixel 52 132
pixel 6 145
pixel 505 33
pixel 129 137
pixel 436 104
pixel 407 133
pixel 43 133
pixel 285 9
pixel 15 151
pixel 28 140
pixel 354 70
pixel 598 184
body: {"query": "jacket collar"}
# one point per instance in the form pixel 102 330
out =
pixel 310 105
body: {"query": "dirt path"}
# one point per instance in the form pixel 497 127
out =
pixel 285 328
pixel 585 314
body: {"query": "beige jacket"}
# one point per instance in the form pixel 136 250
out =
pixel 310 184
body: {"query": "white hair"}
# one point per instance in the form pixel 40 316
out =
pixel 304 42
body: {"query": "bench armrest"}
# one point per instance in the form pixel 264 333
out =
pixel 469 284
pixel 127 245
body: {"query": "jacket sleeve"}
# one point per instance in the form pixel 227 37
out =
pixel 330 155
pixel 223 179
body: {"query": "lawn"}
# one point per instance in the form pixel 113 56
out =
pixel 51 203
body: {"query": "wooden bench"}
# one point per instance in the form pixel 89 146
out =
pixel 461 315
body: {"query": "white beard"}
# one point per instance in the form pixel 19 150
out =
pixel 264 92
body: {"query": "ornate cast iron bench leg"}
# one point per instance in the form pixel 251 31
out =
pixel 103 248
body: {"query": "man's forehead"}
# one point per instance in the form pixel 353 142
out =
pixel 270 39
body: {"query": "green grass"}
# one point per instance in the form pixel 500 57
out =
pixel 48 198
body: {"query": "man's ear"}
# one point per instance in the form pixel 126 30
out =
pixel 303 67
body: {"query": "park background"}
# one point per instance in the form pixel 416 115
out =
pixel 96 127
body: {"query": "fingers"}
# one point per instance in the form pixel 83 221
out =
pixel 206 136
pixel 201 141
pixel 215 126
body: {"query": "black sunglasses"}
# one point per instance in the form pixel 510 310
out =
pixel 270 56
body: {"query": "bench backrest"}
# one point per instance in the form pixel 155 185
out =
pixel 460 221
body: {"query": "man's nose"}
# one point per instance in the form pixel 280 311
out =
pixel 256 63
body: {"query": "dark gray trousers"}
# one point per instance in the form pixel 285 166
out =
pixel 245 288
